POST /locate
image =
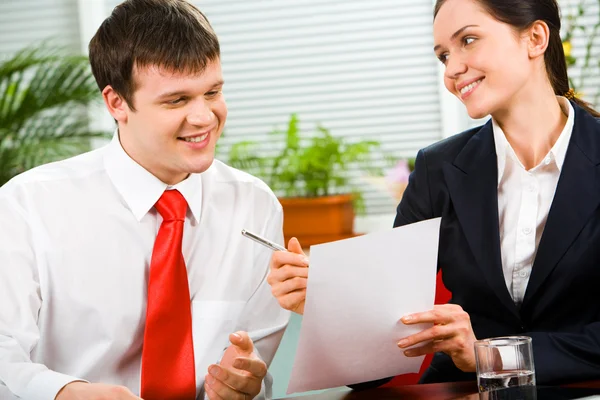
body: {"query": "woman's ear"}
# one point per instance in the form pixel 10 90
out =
pixel 538 37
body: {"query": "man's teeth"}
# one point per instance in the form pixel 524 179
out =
pixel 196 139
pixel 469 87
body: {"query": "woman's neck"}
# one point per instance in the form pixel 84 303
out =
pixel 532 123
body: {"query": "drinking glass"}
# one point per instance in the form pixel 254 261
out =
pixel 504 362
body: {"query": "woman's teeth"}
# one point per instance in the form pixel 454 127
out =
pixel 469 87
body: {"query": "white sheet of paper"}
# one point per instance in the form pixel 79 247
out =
pixel 358 289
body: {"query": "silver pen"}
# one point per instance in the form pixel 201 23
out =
pixel 263 241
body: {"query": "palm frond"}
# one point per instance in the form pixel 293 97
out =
pixel 45 86
pixel 28 57
pixel 43 94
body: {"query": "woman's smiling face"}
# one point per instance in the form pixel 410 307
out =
pixel 486 61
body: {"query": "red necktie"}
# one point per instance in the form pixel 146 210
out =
pixel 168 371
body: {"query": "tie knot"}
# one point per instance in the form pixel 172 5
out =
pixel 172 205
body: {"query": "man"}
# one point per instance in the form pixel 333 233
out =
pixel 123 271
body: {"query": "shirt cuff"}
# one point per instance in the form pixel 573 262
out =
pixel 509 357
pixel 46 385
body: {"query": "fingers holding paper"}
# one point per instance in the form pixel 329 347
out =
pixel 451 333
pixel 239 374
pixel 288 277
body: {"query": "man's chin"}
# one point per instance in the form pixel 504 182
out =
pixel 200 167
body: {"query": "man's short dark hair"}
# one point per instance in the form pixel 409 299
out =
pixel 171 34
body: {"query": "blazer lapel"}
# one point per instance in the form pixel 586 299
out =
pixel 472 181
pixel 575 199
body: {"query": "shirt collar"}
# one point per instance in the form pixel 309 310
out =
pixel 562 143
pixel 502 148
pixel 140 189
pixel 191 189
pixel 557 152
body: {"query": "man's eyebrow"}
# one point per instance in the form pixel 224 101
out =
pixel 456 34
pixel 177 93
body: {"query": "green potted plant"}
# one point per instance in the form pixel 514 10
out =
pixel 43 94
pixel 310 176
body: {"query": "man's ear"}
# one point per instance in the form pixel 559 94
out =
pixel 538 36
pixel 116 105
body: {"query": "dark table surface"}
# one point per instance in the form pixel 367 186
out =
pixel 457 390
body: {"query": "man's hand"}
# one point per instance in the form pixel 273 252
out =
pixel 451 333
pixel 288 277
pixel 94 391
pixel 240 373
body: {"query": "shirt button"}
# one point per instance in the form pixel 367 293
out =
pixel 527 231
pixel 523 274
pixel 548 160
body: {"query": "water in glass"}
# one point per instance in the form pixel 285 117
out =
pixel 504 379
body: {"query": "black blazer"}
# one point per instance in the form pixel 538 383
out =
pixel 456 179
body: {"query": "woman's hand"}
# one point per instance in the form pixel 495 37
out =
pixel 451 333
pixel 288 277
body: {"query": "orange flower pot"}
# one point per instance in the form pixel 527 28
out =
pixel 314 220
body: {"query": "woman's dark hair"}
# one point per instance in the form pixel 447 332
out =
pixel 522 14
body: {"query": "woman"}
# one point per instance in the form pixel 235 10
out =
pixel 519 199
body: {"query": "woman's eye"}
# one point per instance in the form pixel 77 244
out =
pixel 468 40
pixel 443 58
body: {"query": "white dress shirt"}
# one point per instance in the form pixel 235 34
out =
pixel 524 199
pixel 76 241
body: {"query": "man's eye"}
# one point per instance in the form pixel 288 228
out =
pixel 213 93
pixel 177 101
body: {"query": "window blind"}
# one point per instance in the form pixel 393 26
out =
pixel 26 22
pixel 586 79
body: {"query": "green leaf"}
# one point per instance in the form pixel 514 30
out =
pixel 44 91
pixel 310 164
